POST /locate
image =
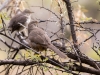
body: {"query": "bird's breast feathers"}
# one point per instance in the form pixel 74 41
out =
pixel 28 20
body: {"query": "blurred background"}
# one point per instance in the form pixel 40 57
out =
pixel 83 10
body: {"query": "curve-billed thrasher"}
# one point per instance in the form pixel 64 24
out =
pixel 20 21
pixel 39 40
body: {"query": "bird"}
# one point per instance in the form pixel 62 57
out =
pixel 20 21
pixel 39 40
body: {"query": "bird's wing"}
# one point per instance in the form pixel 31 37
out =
pixel 39 36
pixel 21 19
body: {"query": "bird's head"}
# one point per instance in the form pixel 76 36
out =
pixel 26 11
pixel 31 25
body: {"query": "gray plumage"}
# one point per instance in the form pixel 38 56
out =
pixel 21 18
pixel 39 40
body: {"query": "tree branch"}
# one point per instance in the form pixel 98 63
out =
pixel 5 4
pixel 28 62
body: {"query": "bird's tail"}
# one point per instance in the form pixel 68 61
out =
pixel 61 54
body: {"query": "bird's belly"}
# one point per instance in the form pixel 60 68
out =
pixel 28 21
pixel 38 47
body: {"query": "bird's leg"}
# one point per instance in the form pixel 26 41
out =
pixel 21 34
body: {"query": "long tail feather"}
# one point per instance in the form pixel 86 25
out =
pixel 61 54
